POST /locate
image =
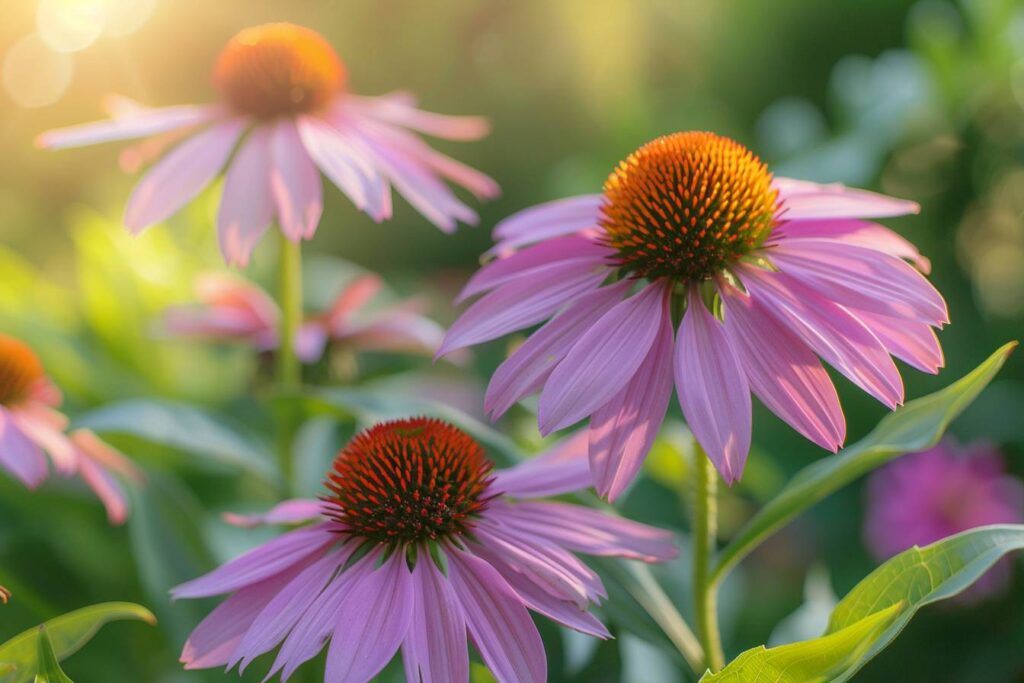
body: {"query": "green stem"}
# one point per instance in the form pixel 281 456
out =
pixel 705 531
pixel 289 370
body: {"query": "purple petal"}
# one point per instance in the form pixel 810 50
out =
pixel 712 389
pixel 293 511
pixel 18 455
pixel 585 530
pixel 390 109
pixel 831 331
pixel 623 429
pixel 521 304
pixel 246 206
pixel 498 620
pixel 525 371
pixel 852 231
pixel 783 372
pixel 550 219
pixel 863 278
pixel 803 200
pixel 332 152
pixel 181 175
pixel 435 648
pixel 372 622
pixel 143 124
pixel 259 563
pixel 603 360
pixel 294 183
pixel 912 342
pixel 561 469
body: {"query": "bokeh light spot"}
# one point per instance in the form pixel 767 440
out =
pixel 71 25
pixel 34 75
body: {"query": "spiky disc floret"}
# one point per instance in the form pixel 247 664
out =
pixel 20 369
pixel 409 481
pixel 277 70
pixel 685 205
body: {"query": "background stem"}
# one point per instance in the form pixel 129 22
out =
pixel 705 530
pixel 289 372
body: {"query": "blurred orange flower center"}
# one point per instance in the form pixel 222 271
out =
pixel 685 205
pixel 20 369
pixel 409 481
pixel 278 70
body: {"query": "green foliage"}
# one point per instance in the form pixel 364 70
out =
pixel 917 425
pixel 67 634
pixel 49 668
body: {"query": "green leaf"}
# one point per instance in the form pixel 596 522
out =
pixel 916 426
pixel 369 406
pixel 49 670
pixel 828 658
pixel 921 576
pixel 185 429
pixel 67 633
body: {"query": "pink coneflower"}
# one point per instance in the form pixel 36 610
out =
pixel 30 426
pixel 285 106
pixel 420 545
pixel 925 497
pixel 696 263
pixel 232 309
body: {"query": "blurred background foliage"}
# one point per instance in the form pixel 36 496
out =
pixel 922 99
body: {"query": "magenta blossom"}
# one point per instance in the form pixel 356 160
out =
pixel 31 426
pixel 419 545
pixel 235 310
pixel 287 110
pixel 696 269
pixel 925 497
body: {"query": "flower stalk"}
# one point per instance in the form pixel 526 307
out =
pixel 289 371
pixel 705 531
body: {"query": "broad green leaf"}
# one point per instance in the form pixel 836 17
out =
pixel 48 668
pixel 185 429
pixel 369 406
pixel 916 426
pixel 921 576
pixel 68 633
pixel 812 661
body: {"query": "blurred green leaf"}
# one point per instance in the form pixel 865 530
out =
pixel 49 670
pixel 916 426
pixel 186 429
pixel 829 658
pixel 67 634
pixel 921 576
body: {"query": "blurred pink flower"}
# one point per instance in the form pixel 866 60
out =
pixel 925 497
pixel 233 309
pixel 31 426
pixel 772 273
pixel 285 86
pixel 418 546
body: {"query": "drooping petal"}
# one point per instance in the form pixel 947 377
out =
pixel 259 563
pixel 550 219
pixel 333 154
pixel 371 622
pixel 831 331
pixel 528 262
pixel 562 469
pixel 44 426
pixel 864 278
pixel 853 231
pixel 435 648
pixel 783 372
pixel 140 125
pixel 712 389
pixel 912 342
pixel 94 456
pixel 525 371
pixel 396 111
pixel 602 361
pixel 623 429
pixel 585 530
pixel 181 175
pixel 18 455
pixel 294 511
pixel 521 304
pixel 802 199
pixel 498 620
pixel 247 205
pixel 273 622
pixel 353 297
pixel 294 183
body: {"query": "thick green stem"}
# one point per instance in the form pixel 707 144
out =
pixel 705 530
pixel 289 372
